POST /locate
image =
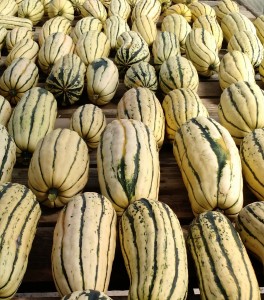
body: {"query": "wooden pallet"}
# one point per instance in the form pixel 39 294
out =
pixel 38 283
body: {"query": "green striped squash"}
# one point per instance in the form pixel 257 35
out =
pixel 86 295
pixel 63 8
pixel 89 122
pixel 19 215
pixel 54 47
pixel 225 7
pixel 252 158
pixel 7 156
pixel 5 111
pixel 241 109
pixel 120 8
pixel 25 48
pixel 180 9
pixel 10 22
pixel 18 78
pixel 234 22
pixel 132 49
pixel 248 43
pixel 3 34
pixel 141 74
pixel 16 35
pixel 235 66
pixel 150 8
pixel 32 118
pixel 250 226
pixel 178 72
pixel 66 79
pixel 141 104
pixel 59 167
pixel 8 7
pixel 32 10
pixel 154 251
pixel 77 4
pixel 202 51
pixel 114 26
pixel 259 24
pixel 179 106
pixel 165 45
pixel 221 261
pixel 102 81
pixel 92 45
pixel 178 25
pixel 210 24
pixel 84 25
pixel 84 244
pixel 46 4
pixel 94 8
pixel 201 147
pixel 128 169
pixel 53 25
pixel 201 9
pixel 146 27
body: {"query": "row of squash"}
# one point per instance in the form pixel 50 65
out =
pixel 150 234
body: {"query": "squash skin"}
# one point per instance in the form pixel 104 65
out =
pixel 17 34
pixel 5 111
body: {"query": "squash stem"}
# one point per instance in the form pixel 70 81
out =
pixel 52 194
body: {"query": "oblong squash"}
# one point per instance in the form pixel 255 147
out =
pixel 154 251
pixel 19 215
pixel 225 7
pixel 123 178
pixel 146 27
pixel 16 35
pixel 150 8
pixel 120 8
pixel 8 7
pixel 94 8
pixel 32 10
pixel 59 167
pixel 84 244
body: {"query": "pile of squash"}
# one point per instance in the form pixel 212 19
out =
pixel 82 49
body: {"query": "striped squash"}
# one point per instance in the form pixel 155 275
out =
pixel 57 173
pixel 114 26
pixel 179 106
pixel 259 24
pixel 221 261
pixel 62 8
pixel 178 72
pixel 102 81
pixel 89 122
pixel 141 74
pixel 234 22
pixel 94 8
pixel 235 66
pixel 10 22
pixel 19 215
pixel 210 24
pixel 146 27
pixel 252 158
pixel 56 24
pixel 16 35
pixel 46 4
pixel 154 251
pixel 123 177
pixel 248 43
pixel 86 295
pixel 202 51
pixel 25 48
pixel 84 25
pixel 84 244
pixel 201 9
pixel 165 45
pixel 180 9
pixel 250 226
pixel 3 34
pixel 7 157
pixel 132 49
pixel 201 147
pixel 32 118
pixel 241 109
pixel 150 8
pixel 18 78
pixel 141 104
pixel 8 7
pixel 225 7
pixel 54 47
pixel 66 79
pixel 178 25
pixel 5 111
pixel 92 45
pixel 120 8
pixel 32 10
